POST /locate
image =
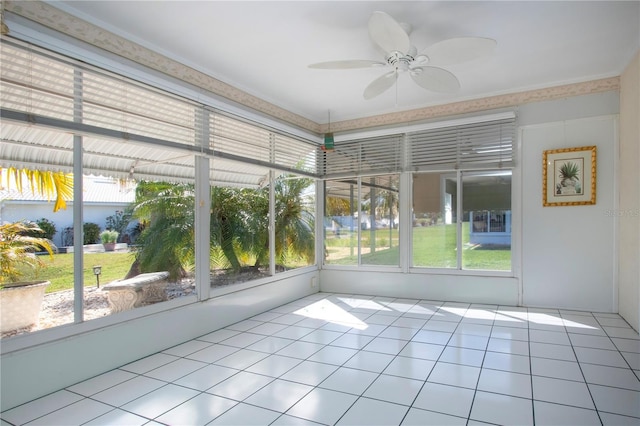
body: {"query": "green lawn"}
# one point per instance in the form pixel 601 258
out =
pixel 59 270
pixel 433 246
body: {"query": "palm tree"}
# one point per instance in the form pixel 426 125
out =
pixel 237 221
pixel 239 224
pixel 17 249
pixel 166 242
pixel 294 228
pixel 337 206
pixel 58 185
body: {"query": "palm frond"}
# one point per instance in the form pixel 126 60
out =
pixel 57 185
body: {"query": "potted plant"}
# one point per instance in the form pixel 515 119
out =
pixel 109 238
pixel 20 301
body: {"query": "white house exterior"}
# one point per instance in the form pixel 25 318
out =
pixel 102 197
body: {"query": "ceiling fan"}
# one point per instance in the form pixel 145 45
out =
pixel 424 68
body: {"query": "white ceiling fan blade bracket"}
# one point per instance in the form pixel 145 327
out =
pixel 393 57
pixel 387 33
pixel 421 59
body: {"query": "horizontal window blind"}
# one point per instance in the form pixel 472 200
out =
pixel 297 154
pixel 470 146
pixel 111 103
pixel 35 84
pixel 231 136
pixel 381 154
pixel 42 89
pixel 228 135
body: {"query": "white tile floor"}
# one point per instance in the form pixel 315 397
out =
pixel 361 360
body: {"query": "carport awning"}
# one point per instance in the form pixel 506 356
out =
pixel 49 149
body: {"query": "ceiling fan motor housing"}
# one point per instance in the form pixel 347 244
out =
pixel 401 61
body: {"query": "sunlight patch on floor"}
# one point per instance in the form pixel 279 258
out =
pixel 329 311
pixel 364 304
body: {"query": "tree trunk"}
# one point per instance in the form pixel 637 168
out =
pixel 134 269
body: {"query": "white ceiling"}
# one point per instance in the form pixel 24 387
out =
pixel 264 47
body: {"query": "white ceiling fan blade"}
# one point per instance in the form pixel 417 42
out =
pixel 387 33
pixel 348 64
pixel 458 50
pixel 435 79
pixel 380 84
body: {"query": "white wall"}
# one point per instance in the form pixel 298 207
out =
pixel 629 183
pixel 457 288
pixel 569 252
pixel 37 371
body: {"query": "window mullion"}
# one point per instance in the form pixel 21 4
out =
pixel 459 212
pixel 78 256
pixel 359 221
pixel 405 221
pixel 272 206
pixel 203 207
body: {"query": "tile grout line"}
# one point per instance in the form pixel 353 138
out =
pixel 593 401
pixel 475 391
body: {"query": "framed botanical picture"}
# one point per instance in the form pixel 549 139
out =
pixel 569 176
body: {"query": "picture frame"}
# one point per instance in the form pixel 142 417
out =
pixel 569 176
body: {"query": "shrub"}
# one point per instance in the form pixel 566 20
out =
pixel 44 229
pixel 91 233
pixel 48 227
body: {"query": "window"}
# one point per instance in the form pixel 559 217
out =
pixel 486 228
pixel 434 230
pixel 481 240
pixel 240 223
pixel 379 240
pixel 295 219
pixel 239 234
pixel 361 221
pixel 341 225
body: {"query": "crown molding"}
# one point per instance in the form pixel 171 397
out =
pixel 481 104
pixel 65 23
